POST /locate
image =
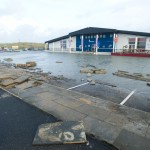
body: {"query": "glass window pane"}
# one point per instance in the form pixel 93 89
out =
pixel 104 36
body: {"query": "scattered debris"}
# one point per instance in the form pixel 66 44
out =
pixel 87 65
pixel 60 77
pixel 99 71
pixel 27 64
pixel 82 79
pixel 148 75
pixel 21 65
pixel 136 76
pixel 59 62
pixel 93 71
pixel 26 85
pixel 67 132
pixel 86 71
pixel 7 82
pixel 123 71
pixel 8 59
pixel 92 82
pixel 87 101
pixel 105 83
pixel 89 79
pixel 89 75
pixel 22 79
pixel 31 64
pixel 7 76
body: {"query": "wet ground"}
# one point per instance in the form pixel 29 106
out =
pixel 107 86
pixel 19 122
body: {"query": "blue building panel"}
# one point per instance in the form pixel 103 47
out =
pixel 105 43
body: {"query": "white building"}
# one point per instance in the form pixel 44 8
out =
pixel 100 41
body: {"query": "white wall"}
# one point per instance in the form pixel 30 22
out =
pixel 57 45
pixel 123 40
pixel 73 43
pixel 148 44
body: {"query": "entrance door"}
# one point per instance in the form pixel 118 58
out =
pixel 93 48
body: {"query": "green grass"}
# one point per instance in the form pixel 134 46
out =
pixel 23 45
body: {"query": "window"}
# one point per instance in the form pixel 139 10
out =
pixel 91 36
pixel 110 45
pixel 104 36
pixel 103 46
pixel 100 36
pixel 94 36
pixel 131 40
pixel 88 45
pixel 63 44
pixel 141 43
pixel 88 37
pixel 85 45
pixel 131 43
pixel 111 35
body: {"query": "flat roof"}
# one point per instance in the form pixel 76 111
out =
pixel 96 30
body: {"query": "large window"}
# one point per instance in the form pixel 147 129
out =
pixel 63 44
pixel 131 43
pixel 141 43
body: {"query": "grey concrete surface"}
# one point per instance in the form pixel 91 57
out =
pixel 19 123
pixel 106 120
pixel 131 141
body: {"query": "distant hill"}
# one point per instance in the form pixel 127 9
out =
pixel 23 45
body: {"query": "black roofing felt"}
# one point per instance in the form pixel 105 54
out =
pixel 95 30
pixel 57 39
pixel 91 30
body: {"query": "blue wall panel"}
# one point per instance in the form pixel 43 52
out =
pixel 105 42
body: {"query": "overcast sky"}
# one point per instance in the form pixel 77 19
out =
pixel 41 20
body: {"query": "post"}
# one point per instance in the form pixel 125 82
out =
pixel 136 41
pixel 114 42
pixel 82 43
pixel 62 43
pixel 48 47
pixel 70 44
pixel 53 46
pixel 96 43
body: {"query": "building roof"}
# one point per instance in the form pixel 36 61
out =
pixel 92 30
pixel 57 39
pixel 95 30
pixel 133 33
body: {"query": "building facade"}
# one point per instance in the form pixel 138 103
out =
pixel 100 41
